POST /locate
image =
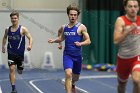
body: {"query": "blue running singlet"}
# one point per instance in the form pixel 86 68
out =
pixel 16 42
pixel 72 56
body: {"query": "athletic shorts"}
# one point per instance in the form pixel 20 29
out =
pixel 73 61
pixel 16 60
pixel 126 66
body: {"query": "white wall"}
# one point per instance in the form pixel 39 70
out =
pixel 36 4
pixel 37 23
pixel 42 4
pixel 42 25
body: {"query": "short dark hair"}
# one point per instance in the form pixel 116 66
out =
pixel 14 13
pixel 126 1
pixel 73 7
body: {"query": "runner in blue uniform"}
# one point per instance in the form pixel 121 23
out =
pixel 15 46
pixel 75 35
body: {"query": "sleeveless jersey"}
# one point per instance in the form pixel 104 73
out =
pixel 16 42
pixel 72 36
pixel 130 46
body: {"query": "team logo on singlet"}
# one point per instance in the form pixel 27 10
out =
pixel 69 33
pixel 14 37
pixel 136 32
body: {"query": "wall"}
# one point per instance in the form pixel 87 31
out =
pixel 42 24
pixel 37 4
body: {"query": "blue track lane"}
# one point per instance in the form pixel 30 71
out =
pixel 42 81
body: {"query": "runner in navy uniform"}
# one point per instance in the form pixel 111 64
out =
pixel 16 46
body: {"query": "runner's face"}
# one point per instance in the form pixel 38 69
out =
pixel 73 16
pixel 132 8
pixel 14 20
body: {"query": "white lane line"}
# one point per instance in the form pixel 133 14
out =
pixel 36 80
pixel 27 84
pixel 31 82
pixel 79 89
pixel 89 77
pixel 0 90
pixel 98 76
